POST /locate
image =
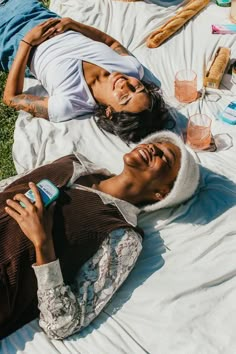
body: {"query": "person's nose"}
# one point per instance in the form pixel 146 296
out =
pixel 127 86
pixel 155 150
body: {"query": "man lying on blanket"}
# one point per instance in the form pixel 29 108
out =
pixel 92 230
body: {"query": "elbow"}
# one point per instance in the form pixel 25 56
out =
pixel 60 333
pixel 53 332
pixel 61 328
pixel 55 335
pixel 6 99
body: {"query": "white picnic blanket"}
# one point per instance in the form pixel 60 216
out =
pixel 180 298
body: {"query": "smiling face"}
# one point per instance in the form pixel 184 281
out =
pixel 123 93
pixel 154 167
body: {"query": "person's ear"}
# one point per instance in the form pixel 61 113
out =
pixel 158 196
pixel 161 194
pixel 108 112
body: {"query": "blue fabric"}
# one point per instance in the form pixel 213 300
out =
pixel 17 17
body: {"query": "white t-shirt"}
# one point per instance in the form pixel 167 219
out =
pixel 57 64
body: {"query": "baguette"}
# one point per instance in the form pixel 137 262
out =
pixel 158 36
pixel 220 63
pixel 217 68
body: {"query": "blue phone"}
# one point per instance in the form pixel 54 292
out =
pixel 48 192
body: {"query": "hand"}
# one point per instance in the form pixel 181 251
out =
pixel 34 220
pixel 64 25
pixel 41 32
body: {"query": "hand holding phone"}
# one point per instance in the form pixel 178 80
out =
pixel 32 218
pixel 48 192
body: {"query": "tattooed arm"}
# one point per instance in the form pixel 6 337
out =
pixel 36 105
pixel 13 96
pixel 67 23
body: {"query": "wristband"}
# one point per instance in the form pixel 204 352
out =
pixel 31 45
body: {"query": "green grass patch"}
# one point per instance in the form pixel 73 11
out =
pixel 7 123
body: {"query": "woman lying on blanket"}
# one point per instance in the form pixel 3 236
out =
pixel 93 232
pixel 83 70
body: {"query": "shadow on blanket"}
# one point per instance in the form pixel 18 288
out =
pixel 216 194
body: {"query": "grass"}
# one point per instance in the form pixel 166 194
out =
pixel 7 123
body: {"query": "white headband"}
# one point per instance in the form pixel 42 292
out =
pixel 187 179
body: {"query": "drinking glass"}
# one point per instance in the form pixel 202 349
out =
pixel 199 131
pixel 186 86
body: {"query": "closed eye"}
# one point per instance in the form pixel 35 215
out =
pixel 138 86
pixel 166 160
pixel 126 98
pixel 170 157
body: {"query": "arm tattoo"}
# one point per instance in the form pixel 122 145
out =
pixel 36 105
pixel 120 49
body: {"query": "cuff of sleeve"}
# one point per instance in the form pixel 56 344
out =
pixel 48 275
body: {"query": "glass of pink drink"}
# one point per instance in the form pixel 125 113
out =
pixel 199 132
pixel 186 86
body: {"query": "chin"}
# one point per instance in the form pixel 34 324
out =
pixel 132 159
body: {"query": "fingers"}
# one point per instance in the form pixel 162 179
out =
pixel 45 30
pixel 49 25
pixel 50 22
pixel 14 209
pixel 51 32
pixel 37 196
pixel 15 205
pixel 13 213
pixel 49 29
pixel 59 27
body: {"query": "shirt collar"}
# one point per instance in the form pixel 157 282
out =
pixel 85 167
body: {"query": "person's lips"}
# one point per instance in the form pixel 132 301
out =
pixel 145 155
pixel 117 81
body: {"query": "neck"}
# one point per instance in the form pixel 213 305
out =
pixel 119 187
pixel 92 75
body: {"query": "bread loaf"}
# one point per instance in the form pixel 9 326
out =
pixel 216 68
pixel 220 63
pixel 158 36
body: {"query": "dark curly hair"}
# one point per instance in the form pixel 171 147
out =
pixel 132 127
